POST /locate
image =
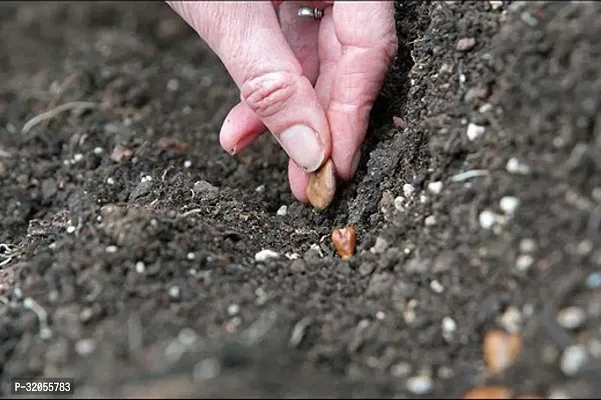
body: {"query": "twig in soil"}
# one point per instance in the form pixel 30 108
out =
pixel 67 82
pixel 190 212
pixel 462 176
pixel 299 330
pixel 30 304
pixel 54 112
pixel 7 251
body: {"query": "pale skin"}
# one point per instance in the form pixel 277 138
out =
pixel 311 83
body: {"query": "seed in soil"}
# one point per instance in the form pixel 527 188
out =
pixel 488 392
pixel 344 240
pixel 322 186
pixel 501 350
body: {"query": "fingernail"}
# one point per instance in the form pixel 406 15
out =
pixel 303 146
pixel 355 163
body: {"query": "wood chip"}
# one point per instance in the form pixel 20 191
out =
pixel 322 186
pixel 345 240
pixel 488 392
pixel 501 349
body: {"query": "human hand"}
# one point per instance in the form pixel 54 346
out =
pixel 311 83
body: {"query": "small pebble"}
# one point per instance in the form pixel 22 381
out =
pixel 265 255
pixel 173 292
pixel 85 347
pixel 283 210
pixel 511 320
pixel 436 286
pixel 487 219
pixel 71 229
pixel 111 249
pixel 380 246
pixel 419 384
pixel 573 359
pixel 571 317
pixel 448 325
pixel 465 44
pixel 399 203
pixel 187 164
pixel 430 220
pixel 190 256
pixel 207 369
pixel 233 309
pixel 435 187
pixel 260 189
pixel 496 4
pixel 474 131
pixel 509 204
pixel 408 190
pixel 500 350
pixel 593 281
pixel 527 246
pixel 401 369
pixel 514 166
pixel 140 267
pixel 523 262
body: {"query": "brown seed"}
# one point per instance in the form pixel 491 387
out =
pixel 344 240
pixel 488 392
pixel 169 143
pixel 322 186
pixel 501 349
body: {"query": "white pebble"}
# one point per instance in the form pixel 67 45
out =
pixel 514 166
pixel 400 369
pixel 511 320
pixel 399 203
pixel 110 181
pixel 573 359
pixel 71 229
pixel 172 85
pixel 430 220
pixel 474 131
pixel 233 309
pixel 435 187
pixel 449 325
pixel 283 210
pixel 523 262
pixel 436 286
pixel 408 190
pixel 423 198
pixel 496 4
pixel 266 254
pixel 207 369
pixel 140 267
pixel 571 317
pixel 509 204
pixel 380 246
pixel 190 256
pixel 85 347
pixel 260 189
pixel 487 219
pixel 527 246
pixel 77 157
pixel 98 150
pixel 187 164
pixel 174 292
pixel 380 315
pixel 419 384
pixel 111 249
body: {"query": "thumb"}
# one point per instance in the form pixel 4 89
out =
pixel 246 36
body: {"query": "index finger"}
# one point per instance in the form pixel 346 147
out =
pixel 367 34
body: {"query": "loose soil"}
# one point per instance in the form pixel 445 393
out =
pixel 129 236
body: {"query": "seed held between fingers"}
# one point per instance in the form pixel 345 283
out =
pixel 322 186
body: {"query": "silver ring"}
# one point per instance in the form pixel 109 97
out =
pixel 310 12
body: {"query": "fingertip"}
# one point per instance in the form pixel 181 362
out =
pixel 240 128
pixel 299 181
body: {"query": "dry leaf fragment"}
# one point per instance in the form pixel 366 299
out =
pixel 344 240
pixel 501 349
pixel 322 186
pixel 488 392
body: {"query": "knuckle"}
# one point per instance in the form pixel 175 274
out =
pixel 268 94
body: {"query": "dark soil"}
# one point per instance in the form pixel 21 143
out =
pixel 151 288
